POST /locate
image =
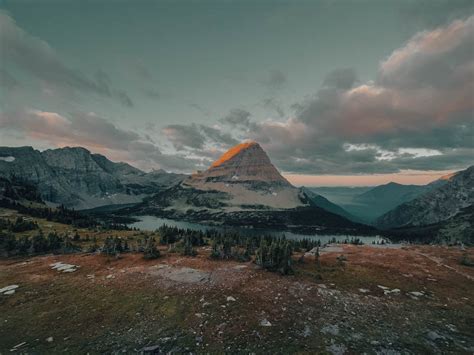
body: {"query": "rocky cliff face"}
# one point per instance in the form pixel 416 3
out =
pixel 438 204
pixel 76 178
pixel 246 174
pixel 246 162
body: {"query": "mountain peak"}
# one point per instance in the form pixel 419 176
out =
pixel 234 151
pixel 244 162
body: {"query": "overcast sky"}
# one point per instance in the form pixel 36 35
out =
pixel 337 92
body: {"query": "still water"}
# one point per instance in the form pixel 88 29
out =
pixel 150 223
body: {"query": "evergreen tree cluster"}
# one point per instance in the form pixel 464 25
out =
pixel 20 225
pixel 171 235
pixel 37 244
pixel 63 215
pixel 275 256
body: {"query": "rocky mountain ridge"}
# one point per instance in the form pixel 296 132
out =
pixel 438 204
pixel 79 179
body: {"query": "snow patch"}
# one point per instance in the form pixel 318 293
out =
pixel 8 159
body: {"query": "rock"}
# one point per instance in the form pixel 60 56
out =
pixel 332 329
pixel 59 266
pixel 154 349
pixel 433 336
pixel 265 323
pixel 364 290
pixel 307 331
pixel 18 346
pixel 336 349
pixel 452 327
pixel 8 290
pixel 49 339
pixel 231 299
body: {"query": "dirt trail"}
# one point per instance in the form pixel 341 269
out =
pixel 440 263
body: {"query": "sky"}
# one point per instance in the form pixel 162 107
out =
pixel 337 92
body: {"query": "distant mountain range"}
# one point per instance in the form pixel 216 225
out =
pixel 369 203
pixel 241 188
pixel 438 204
pixel 77 178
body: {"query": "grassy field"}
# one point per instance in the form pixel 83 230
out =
pixel 195 304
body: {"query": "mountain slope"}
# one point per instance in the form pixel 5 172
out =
pixel 434 206
pixel 324 203
pixel 383 198
pixel 246 174
pixel 244 188
pixel 77 178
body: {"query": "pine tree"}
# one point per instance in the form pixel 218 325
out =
pixel 150 251
pixel 188 246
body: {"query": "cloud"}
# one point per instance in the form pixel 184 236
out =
pixel 217 136
pixel 429 13
pixel 197 137
pixel 273 104
pixel 95 133
pixel 420 101
pixel 7 80
pixel 205 111
pixel 37 58
pixel 184 136
pixel 83 129
pixel 147 155
pixel 343 78
pixel 151 93
pixel 237 118
pixel 275 80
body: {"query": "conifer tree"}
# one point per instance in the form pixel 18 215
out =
pixel 150 251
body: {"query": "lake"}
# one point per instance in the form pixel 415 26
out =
pixel 151 223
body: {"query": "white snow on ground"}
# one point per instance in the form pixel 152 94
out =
pixel 8 159
pixel 64 267
pixel 8 290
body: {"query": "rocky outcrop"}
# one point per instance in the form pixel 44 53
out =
pixel 77 178
pixel 436 205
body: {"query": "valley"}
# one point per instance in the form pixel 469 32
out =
pixel 418 297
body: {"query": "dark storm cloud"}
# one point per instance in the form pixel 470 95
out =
pixel 37 58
